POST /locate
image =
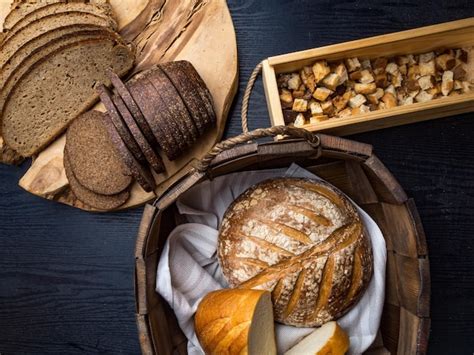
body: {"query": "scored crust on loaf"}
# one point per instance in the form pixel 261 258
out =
pixel 301 239
pixel 20 9
pixel 94 161
pixel 178 111
pixel 132 106
pixel 34 114
pixel 153 159
pixel 188 93
pixel 45 24
pixel 60 8
pixel 101 202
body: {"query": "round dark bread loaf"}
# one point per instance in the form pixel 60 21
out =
pixel 303 241
pixel 145 96
pixel 175 105
pixel 140 172
pixel 101 202
pixel 200 87
pixel 94 161
pixel 187 90
pixel 133 107
pixel 151 157
pixel 120 126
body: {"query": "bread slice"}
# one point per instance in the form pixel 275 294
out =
pixel 120 126
pixel 58 8
pixel 101 202
pixel 132 106
pixel 153 159
pixel 57 89
pixel 140 172
pixel 92 156
pixel 43 25
pixel 189 94
pixel 10 75
pixel 236 321
pixel 22 8
pixel 144 95
pixel 328 339
pixel 178 111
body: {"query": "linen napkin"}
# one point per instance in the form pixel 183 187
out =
pixel 188 268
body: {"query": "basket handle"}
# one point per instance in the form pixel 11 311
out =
pixel 313 139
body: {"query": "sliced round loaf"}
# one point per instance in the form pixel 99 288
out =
pixel 175 104
pixel 302 240
pixel 10 75
pixel 132 106
pixel 200 87
pixel 21 9
pixel 92 156
pixel 189 94
pixel 153 159
pixel 57 89
pixel 101 202
pixel 43 25
pixel 59 8
pixel 120 126
pixel 144 95
pixel 140 172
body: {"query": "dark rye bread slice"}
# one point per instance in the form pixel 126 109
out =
pixel 7 83
pixel 57 89
pixel 119 124
pixel 63 8
pixel 45 24
pixel 153 159
pixel 144 94
pixel 189 94
pixel 163 113
pixel 201 88
pixel 175 104
pixel 141 173
pixel 90 198
pixel 94 161
pixel 132 106
pixel 20 64
pixel 21 8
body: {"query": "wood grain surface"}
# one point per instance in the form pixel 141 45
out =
pixel 66 276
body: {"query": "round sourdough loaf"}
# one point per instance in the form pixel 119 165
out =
pixel 301 239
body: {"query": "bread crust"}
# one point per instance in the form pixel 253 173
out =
pixel 301 239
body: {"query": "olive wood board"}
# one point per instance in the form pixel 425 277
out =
pixel 200 31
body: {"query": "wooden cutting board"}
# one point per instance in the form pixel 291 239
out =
pixel 200 31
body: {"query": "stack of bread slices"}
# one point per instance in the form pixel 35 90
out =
pixel 53 55
pixel 156 115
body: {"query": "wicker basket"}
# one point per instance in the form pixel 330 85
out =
pixel 349 165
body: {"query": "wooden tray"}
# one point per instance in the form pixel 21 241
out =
pixel 201 32
pixel 350 166
pixel 453 34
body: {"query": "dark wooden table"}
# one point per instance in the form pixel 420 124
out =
pixel 66 276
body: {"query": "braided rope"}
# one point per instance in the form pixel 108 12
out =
pixel 246 98
pixel 204 163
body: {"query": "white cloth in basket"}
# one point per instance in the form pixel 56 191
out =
pixel 188 267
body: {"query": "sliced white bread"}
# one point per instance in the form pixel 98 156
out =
pixel 236 321
pixel 327 339
pixel 62 7
pixel 57 89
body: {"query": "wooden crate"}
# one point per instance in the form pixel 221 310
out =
pixel 453 34
pixel 352 167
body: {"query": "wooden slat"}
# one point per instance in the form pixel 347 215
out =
pixel 385 185
pixel 413 333
pixel 391 281
pixel 144 335
pixel 287 148
pixel 234 153
pixel 161 328
pixel 145 223
pixel 362 190
pixel 332 144
pixel 389 327
pixel 140 287
pixel 420 232
pixel 414 284
pixel 334 173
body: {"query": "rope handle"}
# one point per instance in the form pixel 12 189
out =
pixel 246 98
pixel 311 138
